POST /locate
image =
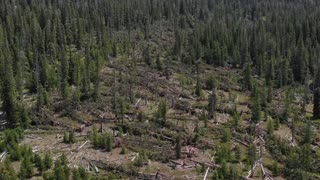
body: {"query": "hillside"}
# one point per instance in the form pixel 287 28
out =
pixel 159 89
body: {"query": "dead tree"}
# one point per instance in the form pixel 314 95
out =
pixel 212 105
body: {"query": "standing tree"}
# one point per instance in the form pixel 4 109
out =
pixel 161 114
pixel 248 76
pixel 256 110
pixel 308 134
pixel 252 156
pixel 178 147
pixel 238 153
pixel 316 96
pixel 146 56
pixel 198 89
pixel 8 92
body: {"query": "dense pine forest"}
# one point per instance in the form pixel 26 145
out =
pixel 159 89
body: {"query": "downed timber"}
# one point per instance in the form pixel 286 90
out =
pixel 183 95
pixel 161 136
pixel 251 171
pixel 3 156
pixel 82 145
pixel 207 171
pixel 265 174
pixel 137 104
pixel 95 168
pixel 126 172
pixel 261 138
pixel 263 171
pixel 33 137
pixel 135 157
pixel 35 149
pixel 243 143
pixel 211 165
pixel 177 162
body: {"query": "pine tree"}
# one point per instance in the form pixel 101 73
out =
pixel 39 163
pixel 122 108
pixel 26 168
pixel 238 153
pixel 251 155
pixel 96 93
pixel 236 119
pixel 178 147
pixel 66 137
pixel 256 110
pixel 64 77
pixel 146 56
pixel 198 90
pixel 9 104
pixel 270 127
pixel 108 143
pixel 72 137
pixel 316 103
pixel 59 172
pixel 308 134
pixel 47 161
pixel 226 135
pixel 162 112
pixel 212 104
pixel 159 64
pixel 248 76
pixel 24 116
pixel 316 96
pixel 114 50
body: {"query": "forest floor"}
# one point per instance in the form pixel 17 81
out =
pixel 158 142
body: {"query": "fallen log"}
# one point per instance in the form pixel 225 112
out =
pixel 182 95
pixel 162 136
pixel 94 167
pixel 251 171
pixel 211 165
pixel 135 157
pixel 207 171
pixel 243 143
pixel 177 162
pixel 3 156
pixel 137 104
pixel 82 145
pixel 126 172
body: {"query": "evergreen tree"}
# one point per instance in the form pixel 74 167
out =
pixel 178 147
pixel 198 89
pixel 248 76
pixel 146 56
pixel 251 155
pixel 238 153
pixel 226 135
pixel 162 112
pixel 9 101
pixel 256 110
pixel 308 134
pixel 66 137
pixel 270 127
pixel 316 103
pixel 6 171
pixel 26 168
pixel 108 143
pixel 72 137
pixel 159 64
pixel 47 161
pixel 64 76
pixel 316 96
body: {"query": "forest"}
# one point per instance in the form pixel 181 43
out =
pixel 159 89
